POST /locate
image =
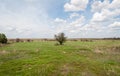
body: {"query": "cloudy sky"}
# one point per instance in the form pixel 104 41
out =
pixel 44 18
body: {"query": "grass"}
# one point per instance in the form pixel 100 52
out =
pixel 97 58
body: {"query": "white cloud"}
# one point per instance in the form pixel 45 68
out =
pixel 32 20
pixel 73 15
pixel 115 25
pixel 68 26
pixel 27 22
pixel 97 6
pixel 58 20
pixel 78 22
pixel 76 5
pixel 59 25
pixel 105 11
pixel 98 17
pixel 105 15
pixel 115 4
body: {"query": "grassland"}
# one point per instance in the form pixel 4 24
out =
pixel 74 58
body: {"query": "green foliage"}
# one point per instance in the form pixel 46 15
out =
pixel 60 38
pixel 3 38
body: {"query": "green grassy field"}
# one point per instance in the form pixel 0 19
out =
pixel 74 58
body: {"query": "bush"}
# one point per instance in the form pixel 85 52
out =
pixel 60 38
pixel 3 38
pixel 56 44
pixel 17 40
pixel 28 40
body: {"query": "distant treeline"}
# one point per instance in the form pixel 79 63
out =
pixel 70 39
pixel 112 38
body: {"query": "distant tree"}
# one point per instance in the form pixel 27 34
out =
pixel 28 40
pixel 3 38
pixel 60 38
pixel 17 40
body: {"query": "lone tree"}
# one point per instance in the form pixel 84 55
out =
pixel 60 38
pixel 3 38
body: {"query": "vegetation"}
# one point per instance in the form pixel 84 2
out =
pixel 3 38
pixel 18 40
pixel 60 38
pixel 75 58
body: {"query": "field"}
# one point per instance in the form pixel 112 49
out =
pixel 74 58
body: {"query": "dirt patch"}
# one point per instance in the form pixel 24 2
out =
pixel 4 52
pixel 87 73
pixel 108 50
pixel 65 69
pixel 64 52
pixel 115 49
pixel 98 51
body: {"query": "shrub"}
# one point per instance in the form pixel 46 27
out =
pixel 17 40
pixel 56 44
pixel 28 40
pixel 60 38
pixel 3 38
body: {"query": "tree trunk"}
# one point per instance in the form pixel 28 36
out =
pixel 60 43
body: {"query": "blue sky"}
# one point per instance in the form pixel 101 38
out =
pixel 44 18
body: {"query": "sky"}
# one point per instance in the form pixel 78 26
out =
pixel 45 18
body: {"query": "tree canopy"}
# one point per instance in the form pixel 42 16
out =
pixel 3 38
pixel 60 38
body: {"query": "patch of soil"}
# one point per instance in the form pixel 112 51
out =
pixel 65 69
pixel 3 52
pixel 98 51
